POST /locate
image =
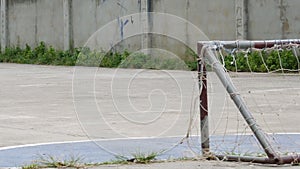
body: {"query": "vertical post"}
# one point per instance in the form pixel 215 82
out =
pixel 4 25
pixel 144 21
pixel 68 25
pixel 203 102
pixel 241 19
pixel 240 103
pixel 150 10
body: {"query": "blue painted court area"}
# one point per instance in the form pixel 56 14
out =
pixel 170 148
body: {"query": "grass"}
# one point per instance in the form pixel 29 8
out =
pixel 48 161
pixel 137 158
pixel 31 166
pixel 143 158
pixel 52 162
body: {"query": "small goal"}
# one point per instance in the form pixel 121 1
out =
pixel 264 70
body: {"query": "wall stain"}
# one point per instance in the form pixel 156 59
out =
pixel 122 6
pixel 283 18
pixel 140 6
pixel 100 2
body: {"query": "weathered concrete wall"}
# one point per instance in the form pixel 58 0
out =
pixel 210 18
pixel 91 16
pixel 274 19
pixel 214 17
pixel 32 21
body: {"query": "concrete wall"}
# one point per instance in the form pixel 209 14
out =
pixel 274 19
pixel 216 18
pixel 91 15
pixel 33 21
pixel 67 23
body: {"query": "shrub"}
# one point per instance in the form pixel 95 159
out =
pixel 262 62
pixel 83 56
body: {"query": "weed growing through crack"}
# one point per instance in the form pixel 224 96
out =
pixel 48 161
pixel 144 158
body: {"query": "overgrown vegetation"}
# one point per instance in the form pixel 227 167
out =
pixel 39 55
pixel 48 55
pixel 262 62
pixel 241 62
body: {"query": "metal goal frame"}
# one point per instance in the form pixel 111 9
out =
pixel 204 50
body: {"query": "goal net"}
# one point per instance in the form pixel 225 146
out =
pixel 249 100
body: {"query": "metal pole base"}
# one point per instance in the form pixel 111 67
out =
pixel 264 160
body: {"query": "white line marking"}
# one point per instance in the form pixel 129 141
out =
pixel 82 141
pixel 116 139
pixel 274 90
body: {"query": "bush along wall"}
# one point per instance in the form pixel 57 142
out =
pixel 40 55
pixel 83 56
pixel 262 62
pixel 47 55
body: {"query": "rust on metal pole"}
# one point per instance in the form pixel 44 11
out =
pixel 292 159
pixel 244 44
pixel 203 102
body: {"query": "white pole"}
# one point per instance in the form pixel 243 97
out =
pixel 240 103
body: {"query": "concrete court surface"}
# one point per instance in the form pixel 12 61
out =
pixel 42 104
pixel 48 104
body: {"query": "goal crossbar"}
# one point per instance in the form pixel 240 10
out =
pixel 244 44
pixel 205 53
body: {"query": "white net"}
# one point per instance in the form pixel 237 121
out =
pixel 268 80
